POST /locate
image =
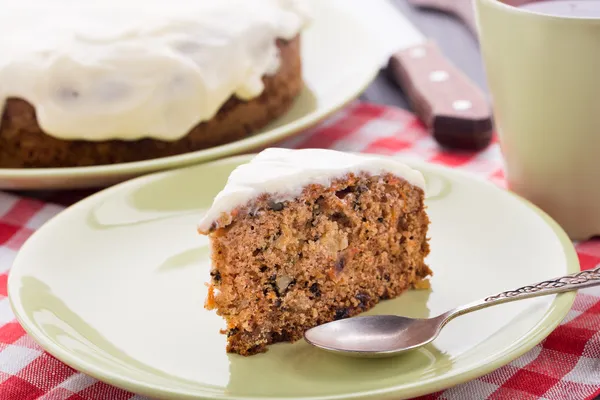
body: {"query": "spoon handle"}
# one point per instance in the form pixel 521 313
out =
pixel 563 284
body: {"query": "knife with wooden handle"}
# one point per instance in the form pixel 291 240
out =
pixel 454 108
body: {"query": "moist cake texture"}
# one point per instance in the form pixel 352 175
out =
pixel 319 236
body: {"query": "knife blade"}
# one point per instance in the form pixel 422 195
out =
pixel 451 106
pixel 462 9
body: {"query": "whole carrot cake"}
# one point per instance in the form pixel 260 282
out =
pixel 304 237
pixel 102 82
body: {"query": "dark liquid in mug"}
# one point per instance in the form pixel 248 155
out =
pixel 565 8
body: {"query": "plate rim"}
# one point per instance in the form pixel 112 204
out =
pixel 555 314
pixel 364 73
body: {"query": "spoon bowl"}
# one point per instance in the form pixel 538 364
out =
pixel 374 336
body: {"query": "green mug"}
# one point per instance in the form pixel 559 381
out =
pixel 543 72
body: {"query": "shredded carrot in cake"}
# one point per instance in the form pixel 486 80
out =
pixel 209 303
pixel 404 207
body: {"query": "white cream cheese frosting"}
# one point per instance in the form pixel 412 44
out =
pixel 133 69
pixel 283 173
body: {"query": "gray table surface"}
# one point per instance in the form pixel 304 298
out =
pixel 454 39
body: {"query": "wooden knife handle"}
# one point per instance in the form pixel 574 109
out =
pixel 455 110
pixel 462 9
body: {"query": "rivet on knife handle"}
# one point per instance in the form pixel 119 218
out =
pixel 450 104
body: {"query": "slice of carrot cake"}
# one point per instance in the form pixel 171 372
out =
pixel 303 237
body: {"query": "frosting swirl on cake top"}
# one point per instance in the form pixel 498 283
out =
pixel 133 69
pixel 283 173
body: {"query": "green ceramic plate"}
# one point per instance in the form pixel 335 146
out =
pixel 114 286
pixel 339 61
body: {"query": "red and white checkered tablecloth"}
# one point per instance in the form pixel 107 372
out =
pixel 565 366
